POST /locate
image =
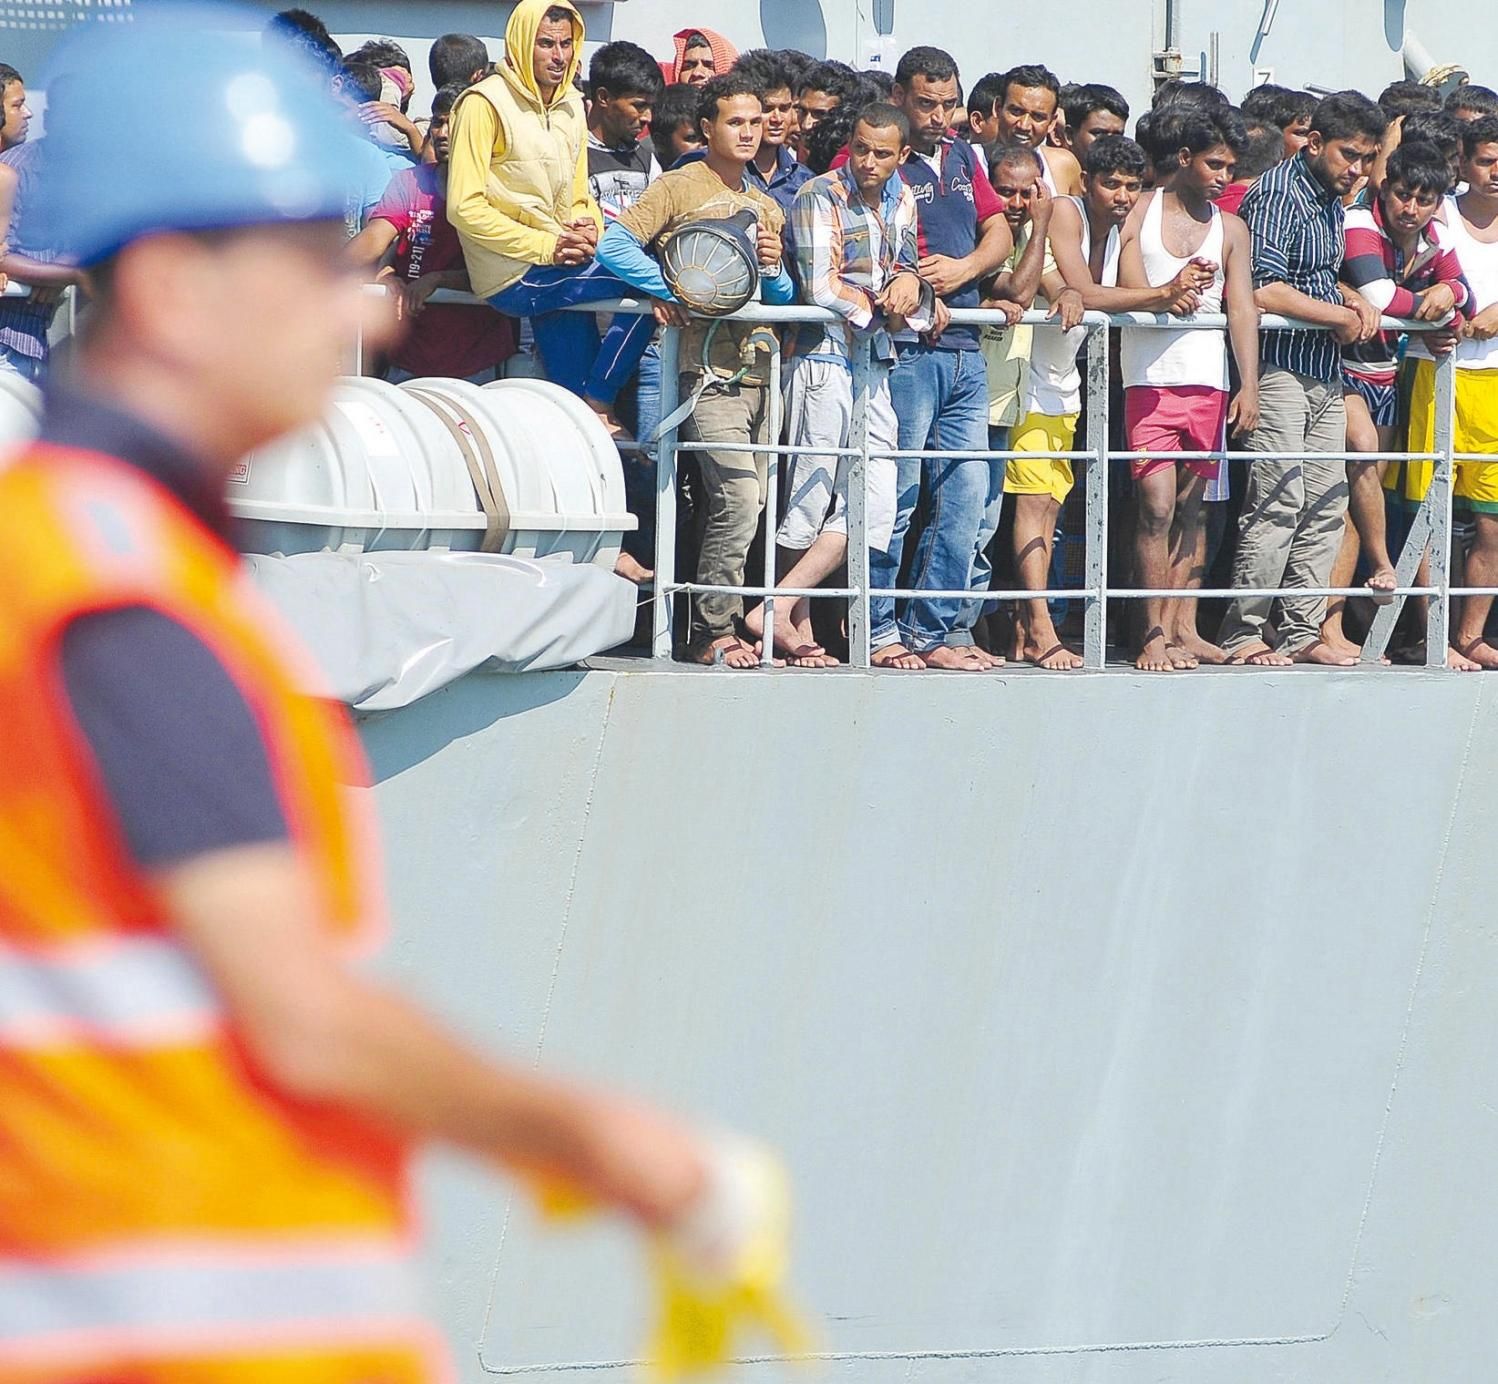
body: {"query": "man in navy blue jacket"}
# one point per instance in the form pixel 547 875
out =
pixel 940 387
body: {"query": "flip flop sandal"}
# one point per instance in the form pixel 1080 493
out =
pixel 1039 661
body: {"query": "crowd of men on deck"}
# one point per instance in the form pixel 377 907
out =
pixel 539 181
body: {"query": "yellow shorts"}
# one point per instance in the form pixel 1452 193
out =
pixel 1041 433
pixel 1476 430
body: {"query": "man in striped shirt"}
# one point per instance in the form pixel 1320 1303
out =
pixel 25 322
pixel 855 235
pixel 1399 256
pixel 1294 504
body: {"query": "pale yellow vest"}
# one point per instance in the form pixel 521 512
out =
pixel 531 181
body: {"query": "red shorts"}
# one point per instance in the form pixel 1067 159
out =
pixel 1188 418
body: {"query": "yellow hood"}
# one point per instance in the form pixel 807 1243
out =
pixel 520 43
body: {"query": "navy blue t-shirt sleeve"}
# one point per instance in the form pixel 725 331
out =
pixel 176 744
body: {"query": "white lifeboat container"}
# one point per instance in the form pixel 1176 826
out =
pixel 520 467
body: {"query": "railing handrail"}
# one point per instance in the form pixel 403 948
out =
pixel 791 313
pixel 1432 524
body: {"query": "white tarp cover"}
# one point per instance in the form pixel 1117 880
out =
pixel 388 628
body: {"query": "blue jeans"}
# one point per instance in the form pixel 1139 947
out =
pixel 941 398
pixel 568 341
pixel 993 508
pixel 648 394
pixel 27 367
pixel 639 469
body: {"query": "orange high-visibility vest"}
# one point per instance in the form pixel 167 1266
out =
pixel 165 1215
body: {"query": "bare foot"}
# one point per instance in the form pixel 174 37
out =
pixel 793 633
pixel 728 651
pixel 605 415
pixel 1198 648
pixel 1180 660
pixel 757 647
pixel 1154 656
pixel 1258 654
pixel 950 659
pixel 988 660
pixel 896 656
pixel 1322 653
pixel 1055 659
pixel 808 656
pixel 1458 662
pixel 1479 651
pixel 1340 644
pixel 1381 583
pixel 625 566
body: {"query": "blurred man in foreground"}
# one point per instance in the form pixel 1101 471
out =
pixel 205 1114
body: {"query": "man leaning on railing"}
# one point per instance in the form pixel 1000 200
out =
pixel 724 367
pixel 1293 509
pixel 855 235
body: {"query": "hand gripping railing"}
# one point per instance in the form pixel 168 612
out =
pixel 1431 525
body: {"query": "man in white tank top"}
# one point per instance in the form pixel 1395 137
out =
pixel 1085 245
pixel 1022 106
pixel 1473 224
pixel 1176 383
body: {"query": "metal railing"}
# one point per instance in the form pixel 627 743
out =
pixel 1431 525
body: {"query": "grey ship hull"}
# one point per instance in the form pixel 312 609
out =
pixel 1114 1028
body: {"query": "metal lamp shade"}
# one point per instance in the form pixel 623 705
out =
pixel 713 266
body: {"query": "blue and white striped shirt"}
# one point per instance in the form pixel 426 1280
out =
pixel 1296 226
pixel 24 324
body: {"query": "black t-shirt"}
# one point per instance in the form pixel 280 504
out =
pixel 177 748
pixel 617 178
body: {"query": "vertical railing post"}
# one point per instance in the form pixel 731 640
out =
pixel 858 528
pixel 1438 501
pixel 665 499
pixel 1095 636
pixel 774 421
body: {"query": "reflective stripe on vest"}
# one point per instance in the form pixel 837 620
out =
pixel 167 1295
pixel 123 991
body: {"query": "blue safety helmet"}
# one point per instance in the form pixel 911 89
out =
pixel 184 117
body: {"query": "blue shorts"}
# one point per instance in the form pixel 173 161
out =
pixel 1382 399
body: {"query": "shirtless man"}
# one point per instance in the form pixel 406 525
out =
pixel 1026 105
pixel 1176 385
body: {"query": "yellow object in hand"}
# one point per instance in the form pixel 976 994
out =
pixel 719 1272
pixel 722 1271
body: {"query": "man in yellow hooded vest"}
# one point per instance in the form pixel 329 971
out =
pixel 518 196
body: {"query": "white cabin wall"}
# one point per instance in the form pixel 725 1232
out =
pixel 1328 43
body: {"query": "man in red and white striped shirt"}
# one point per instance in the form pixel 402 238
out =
pixel 1399 256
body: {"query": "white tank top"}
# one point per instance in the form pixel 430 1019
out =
pixel 1169 359
pixel 1046 176
pixel 1480 268
pixel 1055 384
